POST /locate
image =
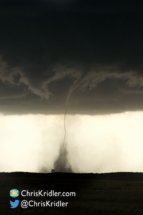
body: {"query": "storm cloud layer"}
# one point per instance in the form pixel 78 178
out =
pixel 48 46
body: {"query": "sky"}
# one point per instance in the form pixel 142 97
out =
pixel 80 56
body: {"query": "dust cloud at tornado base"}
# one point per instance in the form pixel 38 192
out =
pixel 62 163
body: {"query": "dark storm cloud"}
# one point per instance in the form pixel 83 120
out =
pixel 47 46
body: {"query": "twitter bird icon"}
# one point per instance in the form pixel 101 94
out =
pixel 14 204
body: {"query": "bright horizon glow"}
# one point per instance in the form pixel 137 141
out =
pixel 103 143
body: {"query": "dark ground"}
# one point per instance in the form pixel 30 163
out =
pixel 97 194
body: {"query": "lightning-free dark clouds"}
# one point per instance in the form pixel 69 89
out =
pixel 46 46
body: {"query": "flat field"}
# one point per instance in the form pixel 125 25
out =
pixel 96 194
